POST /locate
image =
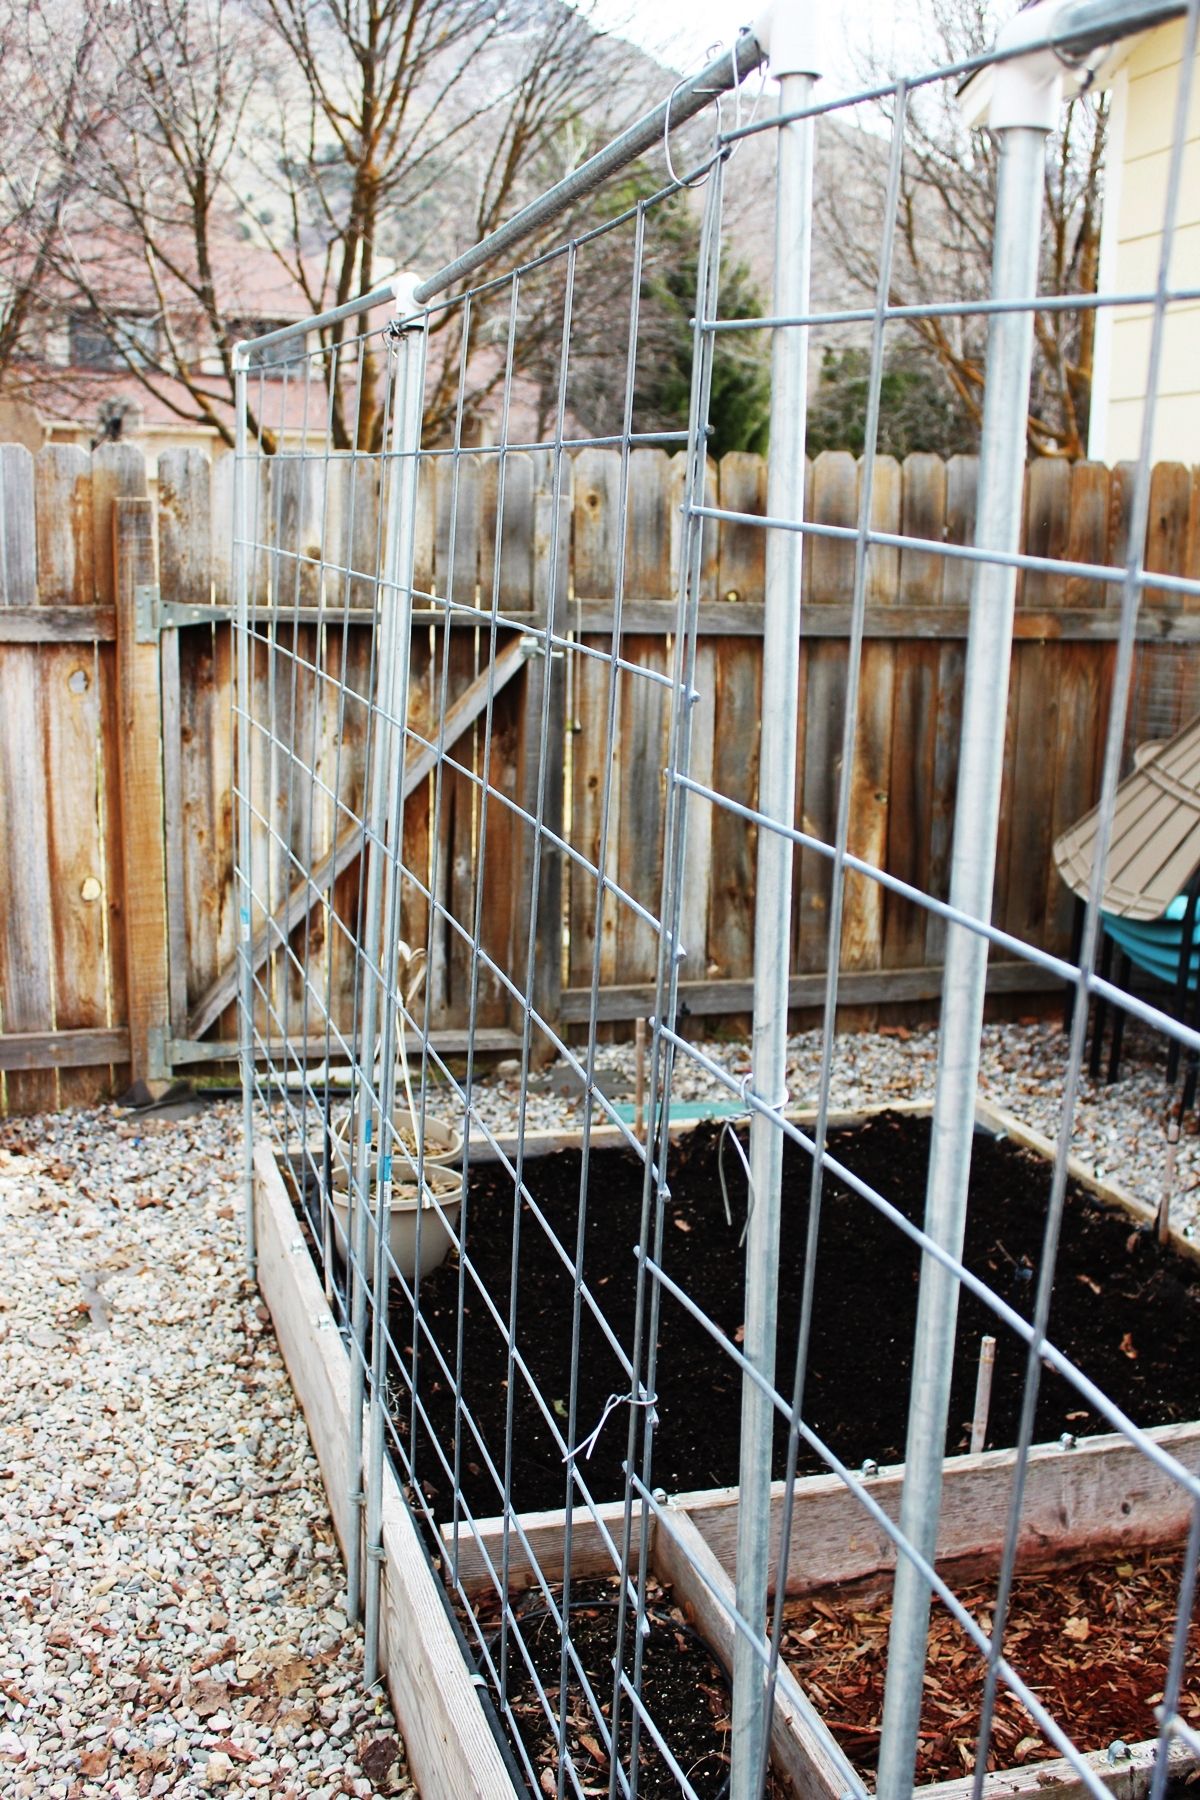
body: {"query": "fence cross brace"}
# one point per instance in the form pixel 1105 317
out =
pixel 307 893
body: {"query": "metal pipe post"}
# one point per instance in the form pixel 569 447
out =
pixel 241 557
pixel 407 394
pixel 773 906
pixel 977 812
pixel 396 601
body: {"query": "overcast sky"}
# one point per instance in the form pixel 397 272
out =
pixel 684 32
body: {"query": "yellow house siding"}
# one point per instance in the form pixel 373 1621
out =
pixel 1142 124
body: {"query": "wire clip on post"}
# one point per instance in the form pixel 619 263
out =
pixel 588 1444
pixel 409 313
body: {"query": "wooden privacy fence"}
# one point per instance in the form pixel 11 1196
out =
pixel 117 949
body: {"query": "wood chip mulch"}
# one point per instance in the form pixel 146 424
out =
pixel 1092 1642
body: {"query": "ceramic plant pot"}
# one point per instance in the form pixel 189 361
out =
pixel 443 1141
pixel 406 1202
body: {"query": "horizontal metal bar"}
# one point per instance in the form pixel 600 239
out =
pixel 952 309
pixel 380 296
pixel 1081 28
pixel 431 453
pixel 1084 25
pixel 895 540
pixel 64 1049
pixel 684 103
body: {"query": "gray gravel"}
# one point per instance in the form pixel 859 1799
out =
pixel 170 1590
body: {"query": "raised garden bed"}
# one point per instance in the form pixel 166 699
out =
pixel 1126 1309
pixel 1097 1493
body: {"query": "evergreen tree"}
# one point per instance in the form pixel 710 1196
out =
pixel 740 402
pixel 918 410
pixel 741 381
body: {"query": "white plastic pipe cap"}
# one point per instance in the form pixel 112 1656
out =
pixel 792 33
pixel 1028 91
pixel 1025 89
pixel 405 287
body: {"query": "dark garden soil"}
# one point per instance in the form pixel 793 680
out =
pixel 1126 1310
pixel 684 1688
pixel 1092 1642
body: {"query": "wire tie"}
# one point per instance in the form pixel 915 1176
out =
pixel 728 1132
pixel 614 1400
pixel 700 179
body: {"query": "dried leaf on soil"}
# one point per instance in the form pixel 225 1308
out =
pixel 1092 1641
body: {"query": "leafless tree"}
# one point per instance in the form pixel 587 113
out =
pixel 331 140
pixel 50 106
pixel 446 115
pixel 945 230
pixel 157 239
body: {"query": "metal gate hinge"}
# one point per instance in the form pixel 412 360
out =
pixel 147 606
pixel 153 615
pixel 172 613
pixel 156 1037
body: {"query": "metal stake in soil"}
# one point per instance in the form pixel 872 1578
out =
pixel 983 1393
pixel 1162 1222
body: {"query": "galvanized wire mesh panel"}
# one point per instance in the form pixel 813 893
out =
pixel 411 837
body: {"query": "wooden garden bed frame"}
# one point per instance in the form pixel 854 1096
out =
pixel 1097 1495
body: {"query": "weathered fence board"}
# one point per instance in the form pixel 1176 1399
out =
pixel 113 833
pixel 26 942
pixel 70 699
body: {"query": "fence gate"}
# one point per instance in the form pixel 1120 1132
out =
pixel 581 1429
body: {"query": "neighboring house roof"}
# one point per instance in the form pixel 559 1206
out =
pixel 71 389
pixel 70 396
pixel 111 263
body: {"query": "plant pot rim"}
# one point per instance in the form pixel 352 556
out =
pixel 405 1195
pixel 440 1123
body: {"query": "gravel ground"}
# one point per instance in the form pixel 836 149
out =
pixel 170 1588
pixel 170 1604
